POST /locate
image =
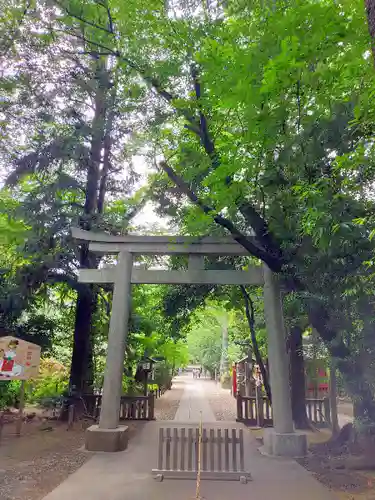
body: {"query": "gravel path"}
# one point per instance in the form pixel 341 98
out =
pixel 223 404
pixel 167 406
pixel 32 465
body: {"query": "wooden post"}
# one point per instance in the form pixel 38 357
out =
pixel 182 449
pixel 190 449
pixel 168 449
pixel 259 406
pixel 226 448
pixel 70 417
pixel 239 407
pixel 234 449
pixel 212 449
pixel 174 448
pixel 145 384
pixel 151 406
pixel 21 409
pixel 219 440
pixel 203 441
pixel 161 445
pixel 324 415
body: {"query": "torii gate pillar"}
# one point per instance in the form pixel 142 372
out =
pixel 108 435
pixel 281 440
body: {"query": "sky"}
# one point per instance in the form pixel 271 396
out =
pixel 147 216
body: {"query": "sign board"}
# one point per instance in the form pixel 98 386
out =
pixel 19 360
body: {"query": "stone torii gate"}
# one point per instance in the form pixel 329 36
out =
pixel 281 440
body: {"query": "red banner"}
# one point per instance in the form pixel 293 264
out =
pixel 234 380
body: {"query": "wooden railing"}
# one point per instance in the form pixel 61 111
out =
pixel 160 391
pixel 254 411
pixel 131 407
pixel 258 411
pixel 319 411
pixel 137 407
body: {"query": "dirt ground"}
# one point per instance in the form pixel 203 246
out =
pixel 46 453
pixel 328 466
pixel 333 467
pixel 36 462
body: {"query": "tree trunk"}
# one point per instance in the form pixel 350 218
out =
pixel 358 388
pixel 333 399
pixel 81 343
pixel 86 304
pixel 249 310
pixel 224 367
pixel 81 376
pixel 353 371
pixel 297 379
pixel 88 380
pixel 370 11
pixel 107 146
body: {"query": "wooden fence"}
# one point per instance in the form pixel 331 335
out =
pixel 254 411
pixel 131 407
pixel 257 411
pixel 222 454
pixel 160 391
pixel 319 411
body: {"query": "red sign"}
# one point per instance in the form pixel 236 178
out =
pixel 234 380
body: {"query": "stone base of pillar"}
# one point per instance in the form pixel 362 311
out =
pixel 291 445
pixel 97 439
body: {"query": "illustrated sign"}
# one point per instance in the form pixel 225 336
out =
pixel 19 360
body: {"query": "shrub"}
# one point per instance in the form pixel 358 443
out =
pixel 51 383
pixel 226 381
pixel 9 393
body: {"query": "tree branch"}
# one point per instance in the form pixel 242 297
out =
pixel 74 34
pixel 249 309
pixel 54 277
pixel 221 221
pixel 18 26
pixel 82 19
pixel 204 134
pixel 109 14
pixel 168 96
pixel 260 227
pixel 255 220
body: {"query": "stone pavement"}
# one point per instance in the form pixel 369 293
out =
pixel 194 404
pixel 127 475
